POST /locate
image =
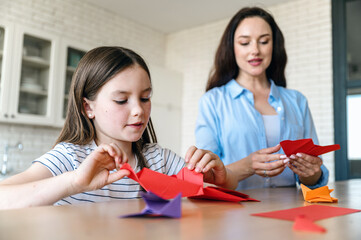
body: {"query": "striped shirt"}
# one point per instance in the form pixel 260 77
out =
pixel 66 157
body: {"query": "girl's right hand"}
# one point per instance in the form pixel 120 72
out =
pixel 94 172
pixel 265 163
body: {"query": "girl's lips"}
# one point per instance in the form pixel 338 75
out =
pixel 135 125
pixel 255 61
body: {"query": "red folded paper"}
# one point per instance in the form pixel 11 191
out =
pixel 312 212
pixel 304 224
pixel 306 146
pixel 187 182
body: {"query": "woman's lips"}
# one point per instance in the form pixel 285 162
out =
pixel 255 61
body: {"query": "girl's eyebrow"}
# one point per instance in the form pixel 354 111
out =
pixel 246 36
pixel 126 92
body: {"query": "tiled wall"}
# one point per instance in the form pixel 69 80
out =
pixel 306 25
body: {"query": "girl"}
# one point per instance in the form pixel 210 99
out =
pixel 108 124
pixel 247 107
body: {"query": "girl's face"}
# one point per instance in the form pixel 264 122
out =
pixel 121 109
pixel 253 47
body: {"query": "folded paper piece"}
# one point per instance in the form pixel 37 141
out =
pixel 313 212
pixel 188 183
pixel 304 224
pixel 321 194
pixel 159 207
pixel 306 146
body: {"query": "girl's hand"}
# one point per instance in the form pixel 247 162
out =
pixel 307 167
pixel 94 172
pixel 265 163
pixel 208 163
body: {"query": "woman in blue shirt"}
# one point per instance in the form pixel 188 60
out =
pixel 247 109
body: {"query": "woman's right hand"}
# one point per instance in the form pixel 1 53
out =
pixel 265 163
pixel 94 172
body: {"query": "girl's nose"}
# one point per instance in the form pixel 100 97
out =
pixel 137 109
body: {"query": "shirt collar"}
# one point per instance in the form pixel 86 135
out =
pixel 236 90
pixel 274 93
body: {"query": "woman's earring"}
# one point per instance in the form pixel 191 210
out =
pixel 90 115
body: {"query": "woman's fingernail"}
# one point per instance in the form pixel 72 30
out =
pixel 286 160
pixel 299 154
pixel 293 156
pixel 198 169
pixel 283 156
pixel 190 166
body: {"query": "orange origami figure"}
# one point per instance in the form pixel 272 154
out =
pixel 321 194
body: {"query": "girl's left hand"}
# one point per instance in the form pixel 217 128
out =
pixel 307 167
pixel 209 164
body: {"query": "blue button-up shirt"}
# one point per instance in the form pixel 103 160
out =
pixel 229 125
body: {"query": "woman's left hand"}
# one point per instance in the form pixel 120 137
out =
pixel 210 165
pixel 307 167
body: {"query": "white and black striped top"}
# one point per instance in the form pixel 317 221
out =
pixel 67 157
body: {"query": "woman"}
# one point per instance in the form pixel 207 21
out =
pixel 247 108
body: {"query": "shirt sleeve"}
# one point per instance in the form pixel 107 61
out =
pixel 57 160
pixel 207 126
pixel 310 132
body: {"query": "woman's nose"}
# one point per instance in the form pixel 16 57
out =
pixel 255 49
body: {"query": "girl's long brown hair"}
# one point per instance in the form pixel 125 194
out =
pixel 94 70
pixel 225 66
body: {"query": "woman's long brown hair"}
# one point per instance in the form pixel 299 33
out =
pixel 225 66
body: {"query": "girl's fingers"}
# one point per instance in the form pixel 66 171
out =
pixel 190 153
pixel 195 158
pixel 115 176
pixel 207 162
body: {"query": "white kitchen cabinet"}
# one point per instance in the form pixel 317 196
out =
pixel 36 68
pixel 71 53
pixel 32 79
pixel 6 37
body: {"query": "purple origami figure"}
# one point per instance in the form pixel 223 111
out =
pixel 159 207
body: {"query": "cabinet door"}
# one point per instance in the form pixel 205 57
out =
pixel 34 77
pixel 71 53
pixel 6 38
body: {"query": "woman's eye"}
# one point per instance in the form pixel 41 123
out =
pixel 264 42
pixel 121 102
pixel 244 44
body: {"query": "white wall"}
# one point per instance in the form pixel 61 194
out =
pixel 306 25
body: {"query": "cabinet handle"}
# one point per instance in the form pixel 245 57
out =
pixel 12 116
pixel 6 115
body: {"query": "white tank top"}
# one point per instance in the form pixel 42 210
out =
pixel 272 127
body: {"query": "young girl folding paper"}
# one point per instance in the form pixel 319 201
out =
pixel 108 124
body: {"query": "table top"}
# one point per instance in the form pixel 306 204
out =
pixel 200 219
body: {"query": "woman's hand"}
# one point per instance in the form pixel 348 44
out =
pixel 265 163
pixel 94 172
pixel 307 167
pixel 211 166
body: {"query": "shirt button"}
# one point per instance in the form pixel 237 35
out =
pixel 283 118
pixel 278 109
